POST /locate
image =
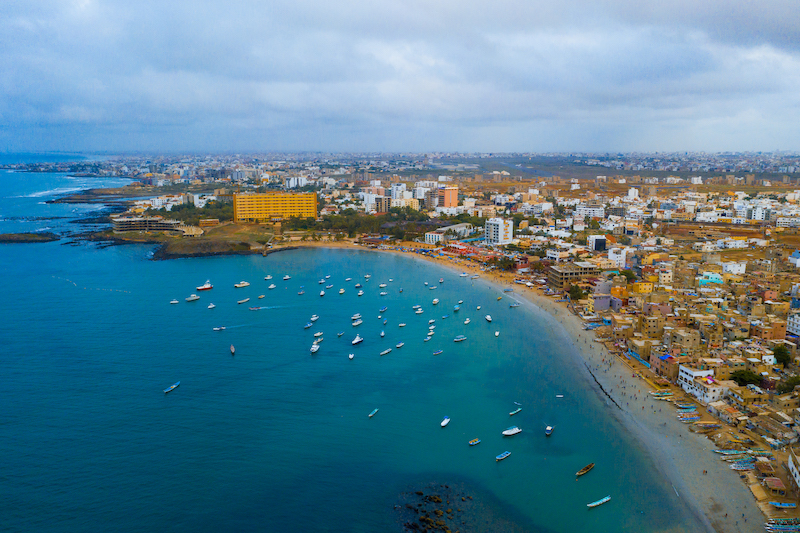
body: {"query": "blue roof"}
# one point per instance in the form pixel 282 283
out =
pixel 795 254
pixel 664 357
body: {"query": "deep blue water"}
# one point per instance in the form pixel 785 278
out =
pixel 277 439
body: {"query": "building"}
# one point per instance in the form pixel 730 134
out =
pixel 564 275
pixel 499 231
pixel 155 223
pixel 382 204
pixel 265 207
pixel 457 231
pixel 596 243
pixel 448 197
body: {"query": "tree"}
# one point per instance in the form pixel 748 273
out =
pixel 629 275
pixel 788 385
pixel 782 354
pixel 745 377
pixel 575 293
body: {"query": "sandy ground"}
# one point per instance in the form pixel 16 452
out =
pixel 720 500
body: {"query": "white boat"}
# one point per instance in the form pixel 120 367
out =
pixel 357 285
pixel 373 413
pixel 435 301
pixel 341 291
pixel 431 327
pixel 268 277
pixel 401 325
pixel 390 280
pixel 205 286
pixel 384 293
pixel 383 333
pixel 243 301
pixel 173 301
pixel 479 308
pixel 601 501
pixel 460 302
pixel 426 283
pixel 357 322
pixel 319 340
pixel 467 321
pixel 548 430
pixel 399 345
pixel 513 430
pixel 351 355
pixel 361 293
pixel 322 281
pixel 431 333
pixel 355 316
pixel 416 307
pixel 488 318
pixel 328 276
pixel 441 280
pixel 387 350
pixel 460 338
pixel 211 306
pixel 431 321
pixel 314 318
pixel 357 340
pixel 427 338
pixel 192 298
pixel 260 296
pixel 348 279
pixel 463 275
pixel 418 311
pixel 382 286
pixel 314 348
pixel 241 284
pixel 220 328
pixel 445 421
pixel 475 276
pixel 271 286
pixel 286 277
pixel 318 334
pixel 329 286
pixel 496 333
pixel 322 293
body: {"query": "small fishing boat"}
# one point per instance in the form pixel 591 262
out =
pixel 173 301
pixel 437 352
pixel 340 334
pixel 357 340
pixel 488 318
pixel 318 334
pixel 601 501
pixel 467 321
pixel 271 286
pixel 511 431
pixel 460 338
pixel 548 431
pixel 243 301
pixel 373 413
pixel 207 286
pixel 233 350
pixel 445 421
pixel 260 296
pixel 426 339
pixel 400 345
pixel 308 325
pixel 383 309
pixel 387 350
pixel 211 306
pixel 502 456
pixel 314 348
pixel 583 470
pixel 172 387
pixel 435 301
pixel 242 284
pixel 779 505
pixel 474 442
pixel 286 277
pixel 192 298
pixel 401 325
pixel 314 318
pixel 351 356
pixel 499 297
pixel 515 411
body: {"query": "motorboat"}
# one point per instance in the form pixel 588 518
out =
pixel 435 301
pixel 301 292
pixel 314 348
pixel 318 334
pixel 373 413
pixel 387 350
pixel 192 298
pixel 475 276
pixel 328 276
pixel 401 325
pixel 328 287
pixel 437 352
pixel 515 304
pixel 383 333
pixel 271 286
pixel 211 306
pixel 441 280
pixel 496 333
pixel 340 334
pixel 431 321
pixel 488 318
pixel 463 275
pixel 418 311
pixel 460 302
pixel 308 325
pixel 173 301
pixel 207 286
pixel 233 350
pixel 460 338
pixel 467 321
pixel 456 308
pixel 399 345
pixel 383 309
pixel 548 430
pixel 260 296
pixel 357 340
pixel 510 432
pixel 286 277
pixel 351 356
pixel 341 291
pixel 220 328
pixel 416 307
pixel 433 287
pixel 583 470
pixel 499 298
pixel 348 279
pixel 355 316
pixel 268 277
pixel 322 293
pixel 319 340
pixel 445 316
pixel 479 308
pixel 243 301
pixel 242 284
pixel 601 501
pixel 358 285
pixel 357 322
pixel 431 327
pixel 361 293
pixel 385 320
pixel 502 456
pixel 314 318
pixel 474 442
pixel 431 333
pixel 382 286
pixel 322 281
pixel 515 411
pixel 445 421
pixel 172 387
pixel 427 338
pixel 384 293
pixel 426 283
pixel 367 276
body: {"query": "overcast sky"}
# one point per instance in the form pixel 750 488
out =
pixel 399 75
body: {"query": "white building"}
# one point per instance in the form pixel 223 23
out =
pixel 619 256
pixel 397 190
pixel 499 231
pixel 582 211
pixel 734 267
pixel 793 324
pixel 686 379
pixel 633 193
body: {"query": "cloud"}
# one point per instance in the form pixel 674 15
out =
pixel 399 75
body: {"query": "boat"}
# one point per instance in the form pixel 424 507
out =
pixel 583 470
pixel 358 285
pixel 243 301
pixel 467 321
pixel 463 275
pixel 340 334
pixel 499 298
pixel 474 442
pixel 173 301
pixel 401 325
pixel 348 279
pixel 286 277
pixel 351 356
pixel 308 325
pixel 301 292
pixel 341 291
pixel 357 340
pixel 515 411
pixel 502 456
pixel 559 395
pixel 460 302
pixel 361 293
pixel 433 287
pixel 426 283
pixel 435 301
pixel 479 308
pixel 373 413
pixel 328 276
pixel 271 286
pixel 220 328
pixel 488 318
pixel 418 311
pixel 445 421
pixel 322 293
pixel 207 286
pixel 314 318
pixel 318 334
pixel 431 333
pixel 233 350
pixel 496 333
pixel 431 327
pixel 415 307
pixel 779 505
pixel 601 501
pixel 192 298
pixel 321 281
pixel 268 277
pixel 391 280
pixel 431 321
pixel 437 352
pixel 548 431
pixel 314 348
pixel 400 345
pixel 367 276
pixel 384 293
pixel 445 316
pixel 328 287
pixel 260 296
pixel 516 304
pixel 460 338
pixel 475 276
pixel 382 286
pixel 172 387
pixel 241 284
pixel 383 333
pixel 508 290
pixel 358 322
pixel 441 280
pixel 385 320
pixel 427 338
pixel 383 309
pixel 511 431
pixel 387 350
pixel 456 308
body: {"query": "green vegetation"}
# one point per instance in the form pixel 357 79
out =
pixel 789 384
pixel 401 223
pixel 502 263
pixel 629 275
pixel 782 355
pixel 746 377
pixel 191 215
pixel 576 293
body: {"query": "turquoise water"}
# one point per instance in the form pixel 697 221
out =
pixel 275 438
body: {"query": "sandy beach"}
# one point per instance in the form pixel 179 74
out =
pixel 704 483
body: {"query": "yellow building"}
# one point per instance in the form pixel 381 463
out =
pixel 265 207
pixel 642 287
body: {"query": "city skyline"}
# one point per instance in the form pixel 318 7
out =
pixel 383 76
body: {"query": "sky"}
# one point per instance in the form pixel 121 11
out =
pixel 399 75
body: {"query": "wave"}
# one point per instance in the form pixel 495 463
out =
pixel 51 192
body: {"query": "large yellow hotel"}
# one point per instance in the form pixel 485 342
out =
pixel 271 206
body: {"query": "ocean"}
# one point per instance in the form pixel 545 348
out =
pixel 275 438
